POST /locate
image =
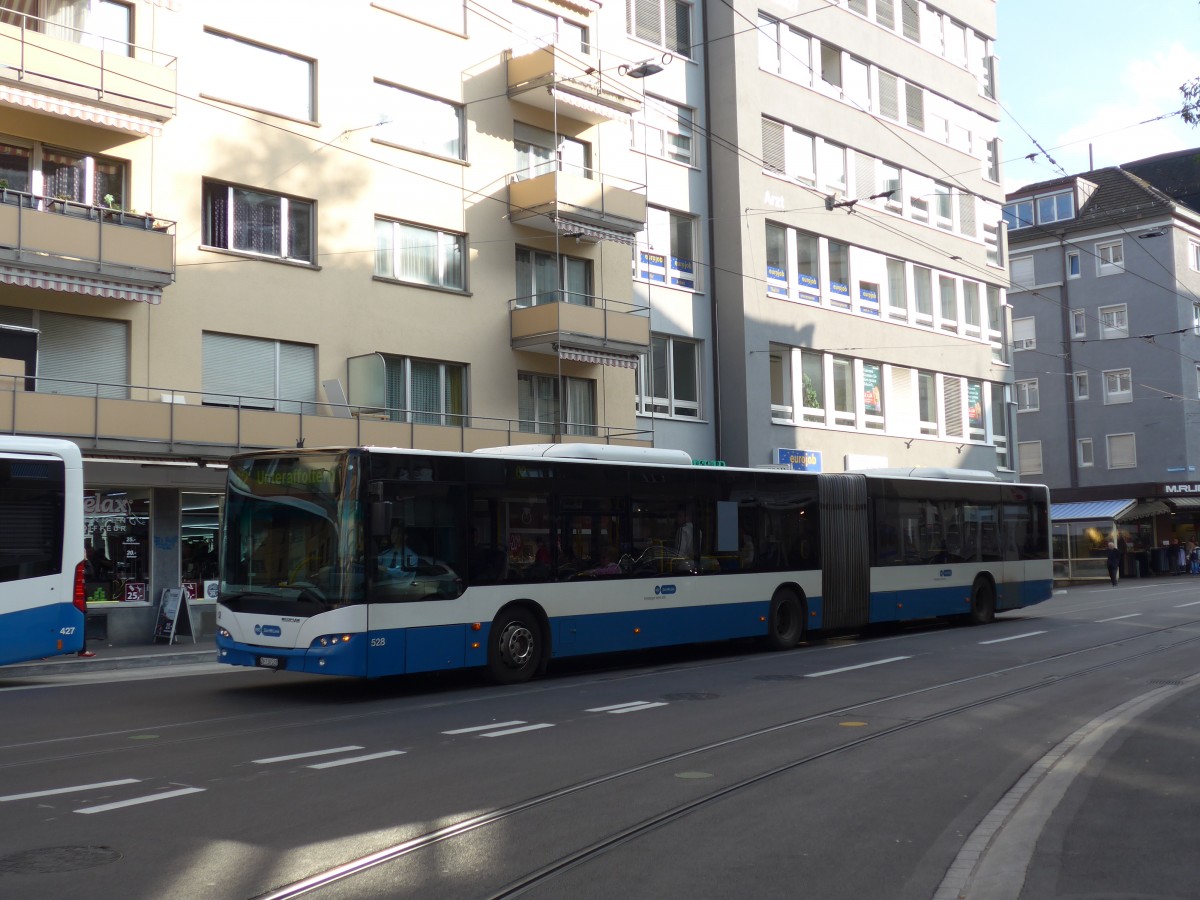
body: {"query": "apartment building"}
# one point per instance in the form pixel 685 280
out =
pixel 1106 332
pixel 857 269
pixel 440 225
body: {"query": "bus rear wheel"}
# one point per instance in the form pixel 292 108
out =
pixel 785 621
pixel 983 602
pixel 514 647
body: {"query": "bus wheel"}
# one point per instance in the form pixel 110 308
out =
pixel 514 646
pixel 785 622
pixel 983 602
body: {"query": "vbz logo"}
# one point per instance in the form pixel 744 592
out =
pixel 945 573
pixel 268 630
pixel 664 590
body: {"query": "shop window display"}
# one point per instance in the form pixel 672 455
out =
pixel 117 544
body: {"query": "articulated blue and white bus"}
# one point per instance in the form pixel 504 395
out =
pixel 373 561
pixel 42 607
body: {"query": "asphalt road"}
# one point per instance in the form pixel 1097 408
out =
pixel 1050 755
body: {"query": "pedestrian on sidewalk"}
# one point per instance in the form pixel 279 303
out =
pixel 1113 561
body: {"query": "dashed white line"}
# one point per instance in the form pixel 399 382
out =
pixel 516 730
pixel 68 790
pixel 1118 618
pixel 1015 637
pixel 1193 603
pixel 165 795
pixel 618 708
pixel 475 728
pixel 878 662
pixel 308 755
pixel 356 759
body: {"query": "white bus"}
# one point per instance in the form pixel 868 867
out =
pixel 374 561
pixel 42 606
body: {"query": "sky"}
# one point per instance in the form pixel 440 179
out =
pixel 1076 74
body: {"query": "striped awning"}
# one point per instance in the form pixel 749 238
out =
pixel 597 357
pixel 600 110
pixel 1144 510
pixel 569 228
pixel 76 284
pixel 73 109
pixel 1089 509
pixel 1185 502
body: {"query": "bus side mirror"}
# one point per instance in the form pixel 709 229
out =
pixel 381 516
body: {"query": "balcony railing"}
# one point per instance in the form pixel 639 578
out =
pixel 145 420
pixel 40 58
pixel 579 204
pixel 573 85
pixel 54 234
pixel 553 321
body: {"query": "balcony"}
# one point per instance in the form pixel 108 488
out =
pixel 158 422
pixel 572 86
pixel 63 245
pixel 70 73
pixel 575 205
pixel 581 329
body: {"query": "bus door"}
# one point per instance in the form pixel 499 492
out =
pixel 845 554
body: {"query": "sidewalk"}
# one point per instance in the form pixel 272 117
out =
pixel 182 653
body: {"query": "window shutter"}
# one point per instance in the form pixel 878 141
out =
pixel 914 106
pixel 82 349
pixel 902 406
pixel 858 6
pixel 236 367
pixel 646 23
pixel 911 16
pixel 966 214
pixel 864 176
pixel 889 96
pixel 1122 451
pixel 772 146
pixel 885 13
pixel 1030 453
pixel 1020 270
pixel 297 377
pixel 952 403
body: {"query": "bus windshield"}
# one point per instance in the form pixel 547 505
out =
pixel 293 534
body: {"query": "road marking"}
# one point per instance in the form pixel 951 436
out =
pixel 1182 605
pixel 484 727
pixel 878 662
pixel 166 795
pixel 356 759
pixel 618 708
pixel 1015 637
pixel 68 790
pixel 516 730
pixel 1118 618
pixel 309 755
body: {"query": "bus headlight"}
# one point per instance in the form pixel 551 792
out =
pixel 224 632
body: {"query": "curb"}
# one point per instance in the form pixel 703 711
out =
pixel 73 665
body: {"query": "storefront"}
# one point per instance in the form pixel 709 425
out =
pixel 1150 533
pixel 149 525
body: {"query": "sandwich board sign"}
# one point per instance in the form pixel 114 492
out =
pixel 174 618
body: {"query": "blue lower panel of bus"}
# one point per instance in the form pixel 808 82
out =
pixel 925 603
pixel 614 632
pixel 1025 593
pixel 41 631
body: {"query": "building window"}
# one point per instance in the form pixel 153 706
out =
pixel 1078 323
pixel 1073 268
pixel 972 316
pixel 897 281
pixel 540 152
pixel 425 391
pixel 1122 451
pixel 1055 208
pixel 258 373
pixel 1018 214
pixel 1080 380
pixel 1024 335
pixel 669 382
pixel 68 175
pixel 1118 386
pixel 839 268
pixel 923 293
pixel 1198 382
pixel 667 249
pixel 833 167
pixel 991 169
pixel 420 255
pixel 1110 258
pixel 1196 318
pixel 831 65
pixel 1029 453
pixel 665 131
pixel 948 302
pixel 76 355
pixel 1114 322
pixel 258 222
pixel 943 206
pixel 812 382
pixel 873 396
pixel 547 278
pixel 927 402
pixel 538 404
pixel 808 265
pixel 784 51
pixel 260 77
pixel 782 409
pixel 664 23
pixel 1194 255
pixel 844 411
pixel 789 152
pixel 418 121
pixel 541 29
pixel 1027 395
pixel 1021 271
pixel 1086 455
pixel 449 15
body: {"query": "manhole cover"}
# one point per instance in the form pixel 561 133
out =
pixel 58 859
pixel 686 695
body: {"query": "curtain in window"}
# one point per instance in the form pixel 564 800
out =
pixel 581 406
pixel 396 377
pixel 453 267
pixel 108 179
pixel 300 231
pixel 577 281
pixel 384 257
pixel 843 386
pixel 416 254
pixel 257 222
pixel 67 19
pixel 659 384
pixel 216 215
pixel 14 166
pixel 425 381
pixel 64 175
pixel 537 403
pixel 454 400
pixel 685 379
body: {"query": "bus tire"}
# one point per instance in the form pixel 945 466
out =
pixel 785 621
pixel 983 602
pixel 514 646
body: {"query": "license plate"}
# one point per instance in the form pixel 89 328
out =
pixel 268 662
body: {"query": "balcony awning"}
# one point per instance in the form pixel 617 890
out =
pixel 590 106
pixel 1185 502
pixel 74 284
pixel 568 228
pixel 16 96
pixel 1089 509
pixel 597 357
pixel 1144 510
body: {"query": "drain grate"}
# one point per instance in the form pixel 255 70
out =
pixel 57 859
